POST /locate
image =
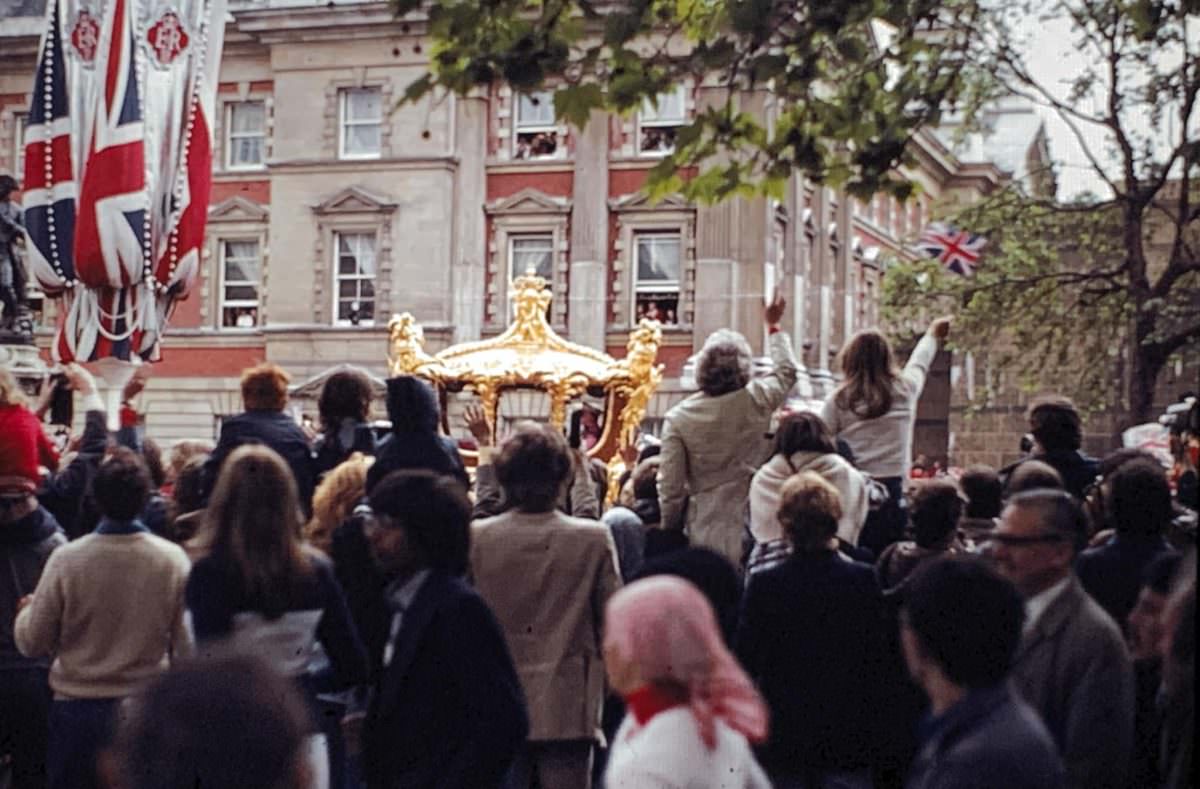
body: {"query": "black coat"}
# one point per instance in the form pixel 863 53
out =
pixel 68 494
pixel 414 443
pixel 448 713
pixel 1077 470
pixel 1112 573
pixel 25 545
pixel 275 430
pixel 811 634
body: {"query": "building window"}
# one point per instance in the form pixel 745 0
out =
pixel 20 121
pixel 354 278
pixel 536 132
pixel 532 252
pixel 656 277
pixel 246 135
pixel 659 122
pixel 240 272
pixel 360 132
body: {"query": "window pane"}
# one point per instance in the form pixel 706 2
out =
pixel 241 293
pixel 669 108
pixel 348 289
pixel 239 317
pixel 536 145
pixel 241 250
pixel 241 271
pixel 366 256
pixel 366 288
pixel 536 252
pixel 364 105
pixel 249 116
pixel 535 109
pixel 246 151
pixel 362 140
pixel 658 258
pixel 348 265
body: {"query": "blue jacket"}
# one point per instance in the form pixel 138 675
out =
pixel 275 430
pixel 1112 573
pixel 989 740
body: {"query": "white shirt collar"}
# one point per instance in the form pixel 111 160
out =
pixel 1037 605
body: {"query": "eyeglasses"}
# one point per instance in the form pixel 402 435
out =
pixel 1016 540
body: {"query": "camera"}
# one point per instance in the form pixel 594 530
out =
pixel 62 400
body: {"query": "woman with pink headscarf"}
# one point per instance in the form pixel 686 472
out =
pixel 692 711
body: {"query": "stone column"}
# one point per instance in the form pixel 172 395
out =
pixel 587 288
pixel 467 279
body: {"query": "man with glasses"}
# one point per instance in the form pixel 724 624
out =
pixel 1072 665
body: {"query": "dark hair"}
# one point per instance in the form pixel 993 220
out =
pixel 121 486
pixel 152 454
pixel 1054 422
pixel 870 374
pixel 575 432
pixel 532 466
pixel 1058 512
pixel 255 519
pixel 1119 457
pixel 189 485
pixel 967 617
pixel 984 491
pixel 346 394
pixel 232 723
pixel 934 508
pixel 802 431
pixel 1139 499
pixel 434 512
pixel 809 511
pixel 8 185
pixel 1160 573
pixel 264 387
pixel 645 478
pixel 1033 475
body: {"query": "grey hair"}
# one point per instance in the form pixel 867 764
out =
pixel 724 363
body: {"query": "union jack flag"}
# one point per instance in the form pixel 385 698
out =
pixel 49 188
pixel 955 249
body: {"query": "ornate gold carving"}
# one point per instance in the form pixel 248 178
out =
pixel 529 354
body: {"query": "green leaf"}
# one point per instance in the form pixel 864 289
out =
pixel 575 103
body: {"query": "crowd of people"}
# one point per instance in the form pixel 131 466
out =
pixel 772 600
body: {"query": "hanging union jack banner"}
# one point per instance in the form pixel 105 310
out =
pixel 955 249
pixel 118 166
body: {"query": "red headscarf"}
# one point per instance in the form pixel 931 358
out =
pixel 665 627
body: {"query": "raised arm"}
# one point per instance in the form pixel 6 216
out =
pixel 770 391
pixel 922 356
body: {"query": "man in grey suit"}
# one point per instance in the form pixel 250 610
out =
pixel 1072 665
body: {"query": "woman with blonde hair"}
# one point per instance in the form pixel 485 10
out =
pixel 261 591
pixel 692 711
pixel 873 411
pixel 336 496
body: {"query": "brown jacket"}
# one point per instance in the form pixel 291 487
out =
pixel 547 577
pixel 1074 669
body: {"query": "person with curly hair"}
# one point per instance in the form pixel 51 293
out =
pixel 340 490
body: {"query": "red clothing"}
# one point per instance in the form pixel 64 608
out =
pixel 23 446
pixel 649 700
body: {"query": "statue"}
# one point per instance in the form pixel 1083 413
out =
pixel 12 270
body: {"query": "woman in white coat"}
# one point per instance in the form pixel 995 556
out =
pixel 803 443
pixel 692 711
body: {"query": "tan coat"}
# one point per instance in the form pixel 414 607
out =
pixel 711 447
pixel 547 578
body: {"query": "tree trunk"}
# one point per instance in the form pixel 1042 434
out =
pixel 1147 364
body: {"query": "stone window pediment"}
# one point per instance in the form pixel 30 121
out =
pixel 529 201
pixel 640 202
pixel 354 200
pixel 238 209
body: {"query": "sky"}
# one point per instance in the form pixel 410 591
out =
pixel 1051 54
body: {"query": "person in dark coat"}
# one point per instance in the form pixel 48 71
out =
pixel 811 633
pixel 414 443
pixel 67 493
pixel 25 545
pixel 1138 502
pixel 1058 431
pixel 344 404
pixel 961 624
pixel 447 709
pixel 264 394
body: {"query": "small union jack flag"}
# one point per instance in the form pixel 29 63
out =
pixel 955 249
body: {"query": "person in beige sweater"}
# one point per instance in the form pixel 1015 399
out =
pixel 109 609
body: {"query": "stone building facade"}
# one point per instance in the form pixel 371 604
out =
pixel 332 209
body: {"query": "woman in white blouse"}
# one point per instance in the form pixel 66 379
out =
pixel 692 711
pixel 873 411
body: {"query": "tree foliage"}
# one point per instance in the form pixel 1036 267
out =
pixel 850 82
pixel 1093 296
